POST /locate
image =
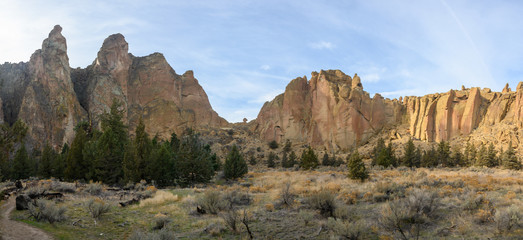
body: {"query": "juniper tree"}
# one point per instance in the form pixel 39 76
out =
pixel 356 167
pixel 235 166
pixel 309 160
pixel 509 159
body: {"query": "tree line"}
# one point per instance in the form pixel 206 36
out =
pixel 110 155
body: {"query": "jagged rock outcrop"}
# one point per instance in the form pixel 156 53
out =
pixel 49 105
pixel 331 110
pixel 51 98
pixel 147 87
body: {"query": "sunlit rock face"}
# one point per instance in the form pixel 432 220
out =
pixel 330 110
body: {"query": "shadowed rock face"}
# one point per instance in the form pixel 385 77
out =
pixel 330 110
pixel 51 98
pixel 49 105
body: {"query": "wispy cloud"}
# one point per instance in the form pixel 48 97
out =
pixel 322 45
pixel 265 67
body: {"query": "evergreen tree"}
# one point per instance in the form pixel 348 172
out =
pixel 509 159
pixel 288 146
pixel 137 155
pixel 21 168
pixel 235 166
pixel 378 149
pixel 386 156
pixel 273 144
pixel 271 160
pixel 356 167
pixel 309 160
pixel 443 154
pixel 430 158
pixel 291 160
pixel 216 163
pixel 111 146
pixel 326 161
pixel 492 158
pixel 457 157
pixel 45 168
pixel 9 136
pixel 193 161
pixel 59 162
pixel 284 160
pixel 76 168
pixel 469 155
pixel 482 157
pixel 410 157
pixel 161 166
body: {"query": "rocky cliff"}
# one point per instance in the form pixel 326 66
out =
pixel 148 87
pixel 51 98
pixel 331 110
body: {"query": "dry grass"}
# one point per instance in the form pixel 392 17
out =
pixel 160 197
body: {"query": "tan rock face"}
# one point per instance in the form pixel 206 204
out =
pixel 331 110
pixel 49 105
pixel 149 88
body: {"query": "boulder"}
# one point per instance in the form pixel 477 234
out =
pixel 22 202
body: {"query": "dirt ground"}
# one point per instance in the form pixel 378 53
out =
pixel 13 230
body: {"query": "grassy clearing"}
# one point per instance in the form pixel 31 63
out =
pixel 429 203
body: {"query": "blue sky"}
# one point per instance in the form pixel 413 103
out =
pixel 245 52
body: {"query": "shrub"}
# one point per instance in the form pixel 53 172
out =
pixel 273 144
pixel 94 188
pixel 235 165
pixel 211 201
pixel 33 192
pixel 63 187
pixel 97 207
pixel 348 230
pixel 43 210
pixel 305 216
pixel 160 222
pixel 324 201
pixel 408 216
pixel 508 218
pixel 231 219
pixel 270 160
pixel 236 198
pixel 286 194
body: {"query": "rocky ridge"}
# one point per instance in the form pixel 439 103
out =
pixel 51 98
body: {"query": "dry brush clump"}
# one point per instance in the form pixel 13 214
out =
pixel 97 207
pixel 162 234
pixel 44 210
pixel 211 202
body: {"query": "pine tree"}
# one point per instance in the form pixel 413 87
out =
pixel 9 136
pixel 386 156
pixel 235 166
pixel 291 160
pixel 137 155
pixel 271 160
pixel 482 157
pixel 469 155
pixel 492 158
pixel 252 160
pixel 111 146
pixel 284 160
pixel 378 149
pixel 430 158
pixel 457 157
pixel 509 159
pixel 356 167
pixel 326 161
pixel 309 160
pixel 443 154
pixel 21 164
pixel 409 157
pixel 161 166
pixel 288 146
pixel 76 168
pixel 45 168
pixel 193 161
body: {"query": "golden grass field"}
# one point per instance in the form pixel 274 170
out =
pixel 467 203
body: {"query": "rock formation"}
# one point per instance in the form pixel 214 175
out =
pixel 331 110
pixel 147 87
pixel 51 98
pixel 49 105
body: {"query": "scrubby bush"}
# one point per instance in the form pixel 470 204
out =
pixel 43 210
pixel 271 160
pixel 35 191
pixel 63 187
pixel 324 201
pixel 305 216
pixel 94 188
pixel 286 194
pixel 508 219
pixel 212 201
pixel 309 160
pixel 407 217
pixel 160 222
pixel 348 230
pixel 97 207
pixel 236 198
pixel 356 167
pixel 231 219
